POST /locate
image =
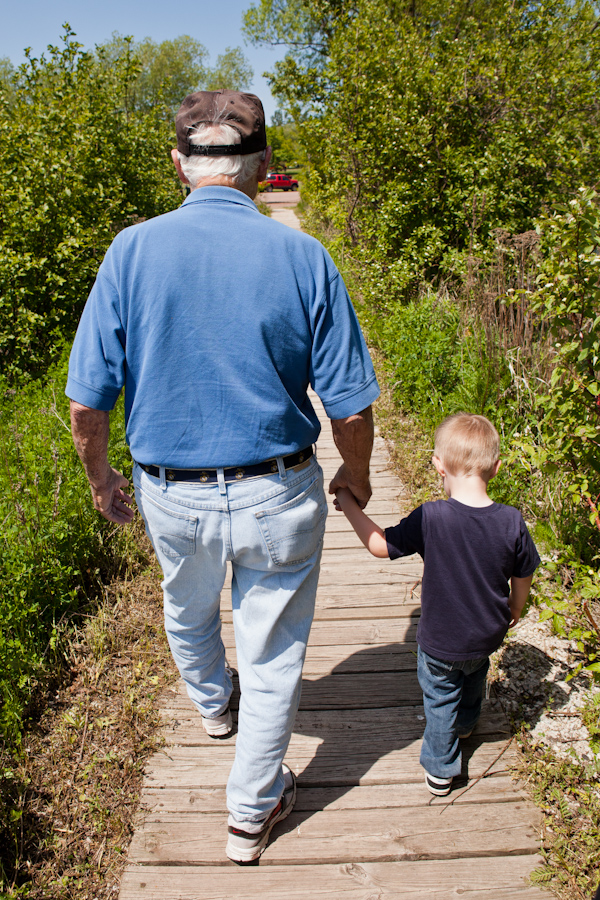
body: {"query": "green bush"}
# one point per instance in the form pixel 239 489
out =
pixel 78 162
pixel 55 548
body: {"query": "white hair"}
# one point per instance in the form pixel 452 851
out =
pixel 240 168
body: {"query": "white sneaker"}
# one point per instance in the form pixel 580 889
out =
pixel 242 846
pixel 218 726
pixel 438 786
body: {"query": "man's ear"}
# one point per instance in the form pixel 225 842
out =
pixel 177 164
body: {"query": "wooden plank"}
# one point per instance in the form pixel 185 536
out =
pixel 332 612
pixel 356 691
pixel 357 575
pixel 496 789
pixel 367 594
pixel 338 522
pixel 506 829
pixel 330 634
pixel 335 764
pixel 352 659
pixel 370 594
pixel 378 729
pixel 478 878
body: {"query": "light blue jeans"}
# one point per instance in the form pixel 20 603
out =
pixel 452 695
pixel 271 529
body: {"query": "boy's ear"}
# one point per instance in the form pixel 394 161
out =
pixel 496 468
pixel 439 466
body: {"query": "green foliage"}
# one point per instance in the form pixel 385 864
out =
pixel 169 70
pixel 569 302
pixel 568 794
pixel 420 342
pixel 430 124
pixel 55 547
pixel 287 149
pixel 232 71
pixel 76 165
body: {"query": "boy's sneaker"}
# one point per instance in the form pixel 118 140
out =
pixel 465 735
pixel 438 786
pixel 243 847
pixel 218 726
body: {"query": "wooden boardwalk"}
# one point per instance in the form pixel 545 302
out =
pixel 364 826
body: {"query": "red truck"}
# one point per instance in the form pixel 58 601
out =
pixel 274 180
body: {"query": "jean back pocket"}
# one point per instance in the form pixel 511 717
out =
pixel 293 531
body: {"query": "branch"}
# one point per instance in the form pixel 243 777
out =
pixel 591 618
pixel 483 774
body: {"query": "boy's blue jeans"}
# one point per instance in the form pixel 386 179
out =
pixel 452 694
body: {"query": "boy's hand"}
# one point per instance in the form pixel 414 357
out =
pixel 370 534
pixel 343 496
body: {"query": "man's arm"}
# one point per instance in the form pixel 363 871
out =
pixel 353 437
pixel 90 429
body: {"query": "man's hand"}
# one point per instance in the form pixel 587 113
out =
pixel 90 428
pixel 359 488
pixel 111 501
pixel 353 437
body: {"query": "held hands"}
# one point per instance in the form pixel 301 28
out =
pixel 110 499
pixel 343 497
pixel 360 489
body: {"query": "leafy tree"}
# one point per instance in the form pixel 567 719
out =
pixel 77 163
pixel 7 79
pixel 170 70
pixel 568 435
pixel 287 149
pixel 429 124
pixel 232 72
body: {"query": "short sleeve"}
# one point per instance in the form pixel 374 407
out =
pixel 342 373
pixel 97 361
pixel 406 537
pixel 527 558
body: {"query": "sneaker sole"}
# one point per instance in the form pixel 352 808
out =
pixel 438 790
pixel 216 731
pixel 239 856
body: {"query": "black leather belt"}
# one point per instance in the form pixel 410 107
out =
pixel 237 473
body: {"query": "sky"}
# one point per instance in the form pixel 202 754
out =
pixel 217 25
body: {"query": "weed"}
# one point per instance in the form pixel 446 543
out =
pixel 569 795
pixel 72 788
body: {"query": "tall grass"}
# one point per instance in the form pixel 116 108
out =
pixel 56 550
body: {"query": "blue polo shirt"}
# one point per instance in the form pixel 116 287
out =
pixel 216 319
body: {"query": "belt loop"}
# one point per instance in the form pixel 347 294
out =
pixel 163 478
pixel 221 480
pixel 281 468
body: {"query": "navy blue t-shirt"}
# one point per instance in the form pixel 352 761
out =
pixel 469 555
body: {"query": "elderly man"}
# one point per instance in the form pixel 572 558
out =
pixel 216 319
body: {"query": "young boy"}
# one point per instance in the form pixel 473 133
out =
pixel 471 547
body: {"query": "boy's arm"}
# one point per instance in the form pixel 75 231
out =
pixel 370 534
pixel 519 591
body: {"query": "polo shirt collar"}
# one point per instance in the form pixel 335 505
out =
pixel 220 193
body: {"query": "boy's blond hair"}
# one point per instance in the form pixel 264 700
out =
pixel 467 445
